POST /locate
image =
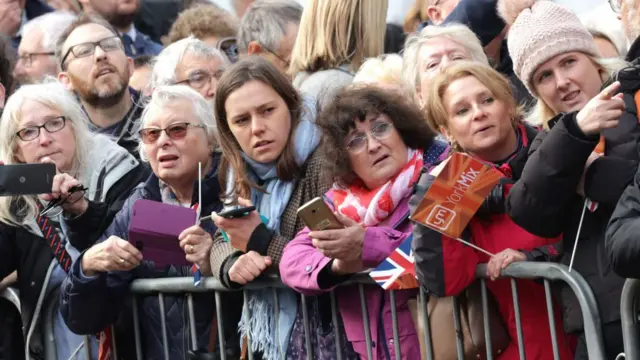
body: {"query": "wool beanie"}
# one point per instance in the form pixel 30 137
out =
pixel 540 30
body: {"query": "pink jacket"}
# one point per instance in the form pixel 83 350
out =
pixel 301 263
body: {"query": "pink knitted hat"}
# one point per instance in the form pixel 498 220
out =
pixel 539 31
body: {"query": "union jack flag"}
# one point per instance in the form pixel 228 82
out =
pixel 398 270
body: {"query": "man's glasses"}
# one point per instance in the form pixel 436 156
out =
pixel 229 47
pixel 285 62
pixel 175 132
pixel 616 5
pixel 54 208
pixel 112 43
pixel 27 58
pixel 32 132
pixel 200 78
pixel 379 130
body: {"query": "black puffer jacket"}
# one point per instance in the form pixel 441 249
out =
pixel 544 202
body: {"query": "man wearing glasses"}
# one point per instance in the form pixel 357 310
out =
pixel 36 52
pixel 269 29
pixel 93 65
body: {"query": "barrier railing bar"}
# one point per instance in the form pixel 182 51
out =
pixel 114 345
pixel 163 324
pixel 192 322
pixel 87 347
pixel 365 318
pixel 485 319
pixel 579 286
pixel 424 317
pixel 552 320
pixel 221 340
pixel 629 318
pixel 516 308
pixel 307 327
pixel 394 322
pixel 336 325
pixel 136 329
pixel 276 306
pixel 248 323
pixel 458 327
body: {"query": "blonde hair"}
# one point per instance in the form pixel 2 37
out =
pixel 338 32
pixel 541 113
pixel 385 69
pixel 17 210
pixel 454 32
pixel 435 109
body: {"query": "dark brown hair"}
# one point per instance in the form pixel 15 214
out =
pixel 83 19
pixel 254 68
pixel 354 104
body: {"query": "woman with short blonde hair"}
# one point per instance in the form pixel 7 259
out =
pixel 335 38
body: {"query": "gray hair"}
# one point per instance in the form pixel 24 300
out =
pixel 165 64
pixel 165 95
pixel 454 32
pixel 52 25
pixel 266 22
pixel 53 95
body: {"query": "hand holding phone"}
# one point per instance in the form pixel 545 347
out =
pixel 317 215
pixel 238 224
pixel 26 179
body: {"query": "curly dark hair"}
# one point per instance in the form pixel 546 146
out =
pixel 355 103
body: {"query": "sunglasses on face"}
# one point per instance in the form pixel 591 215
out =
pixel 174 132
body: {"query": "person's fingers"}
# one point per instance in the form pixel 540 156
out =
pixel 56 183
pixel 609 91
pixel 121 257
pixel 129 248
pixel 239 275
pixel 48 160
pixel 345 220
pixel 244 202
pixel 193 230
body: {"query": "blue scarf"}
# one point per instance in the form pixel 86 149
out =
pixel 271 205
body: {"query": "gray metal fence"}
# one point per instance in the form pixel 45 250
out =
pixel 629 307
pixel 547 272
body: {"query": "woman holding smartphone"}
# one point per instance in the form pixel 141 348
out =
pixel 44 124
pixel 378 144
pixel 268 141
pixel 176 135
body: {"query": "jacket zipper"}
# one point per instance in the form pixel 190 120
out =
pixel 383 335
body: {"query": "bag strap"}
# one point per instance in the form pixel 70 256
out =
pixel 54 240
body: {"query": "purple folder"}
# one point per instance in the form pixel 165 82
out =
pixel 154 230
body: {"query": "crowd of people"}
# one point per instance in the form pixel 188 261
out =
pixel 279 104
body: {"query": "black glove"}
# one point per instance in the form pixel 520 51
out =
pixel 494 203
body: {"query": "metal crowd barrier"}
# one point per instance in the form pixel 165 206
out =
pixel 629 307
pixel 547 272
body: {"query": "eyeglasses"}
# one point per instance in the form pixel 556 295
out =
pixel 616 5
pixel 285 62
pixel 174 131
pixel 54 208
pixel 33 132
pixel 379 130
pixel 200 78
pixel 112 43
pixel 27 58
pixel 229 46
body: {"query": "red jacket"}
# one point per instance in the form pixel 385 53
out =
pixel 445 267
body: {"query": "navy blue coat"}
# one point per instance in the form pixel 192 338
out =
pixel 88 305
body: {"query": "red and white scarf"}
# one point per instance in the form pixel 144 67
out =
pixel 370 207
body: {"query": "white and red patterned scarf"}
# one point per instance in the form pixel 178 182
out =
pixel 371 207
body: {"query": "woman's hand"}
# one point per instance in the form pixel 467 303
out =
pixel 343 244
pixel 196 244
pixel 75 203
pixel 501 260
pixel 601 112
pixel 248 267
pixel 238 230
pixel 113 254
